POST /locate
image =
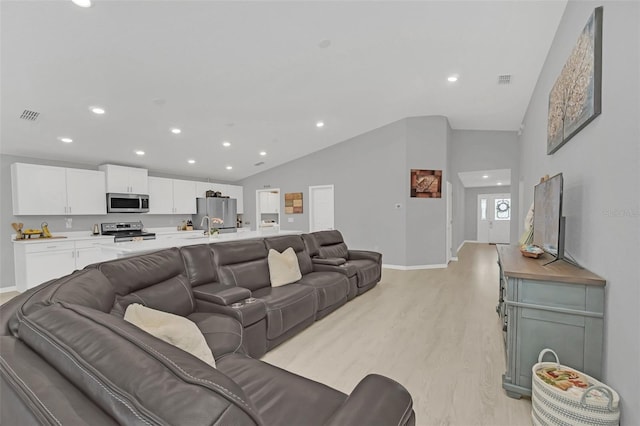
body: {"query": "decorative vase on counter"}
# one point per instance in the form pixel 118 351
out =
pixel 214 232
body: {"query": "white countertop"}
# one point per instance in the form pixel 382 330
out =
pixel 68 236
pixel 190 238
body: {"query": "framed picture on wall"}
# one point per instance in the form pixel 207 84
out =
pixel 575 99
pixel 426 183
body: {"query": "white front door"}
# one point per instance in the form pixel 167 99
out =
pixel 321 208
pixel 494 218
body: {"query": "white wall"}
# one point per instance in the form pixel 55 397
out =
pixel 600 166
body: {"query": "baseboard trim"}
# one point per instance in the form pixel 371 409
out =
pixel 413 267
pixel 454 259
pixel 465 242
pixel 8 289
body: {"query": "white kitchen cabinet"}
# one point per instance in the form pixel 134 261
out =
pixel 269 202
pixel 237 192
pixel 86 190
pixel 37 262
pixel 171 196
pixel 48 190
pixel 124 180
pixel 233 191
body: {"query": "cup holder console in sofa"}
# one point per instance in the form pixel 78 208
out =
pixel 67 356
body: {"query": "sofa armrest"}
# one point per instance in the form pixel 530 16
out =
pixel 333 261
pixel 220 294
pixel 365 255
pixel 375 400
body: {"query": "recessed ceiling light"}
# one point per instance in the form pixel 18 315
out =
pixel 485 176
pixel 139 152
pixel 65 140
pixel 320 124
pixel 226 144
pixel 229 167
pixel 82 3
pixel 97 110
pixel 176 131
pixel 452 78
pixel 263 153
pixel 191 161
pixel 499 183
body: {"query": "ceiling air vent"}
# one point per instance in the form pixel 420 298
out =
pixel 504 79
pixel 29 115
pixel 259 163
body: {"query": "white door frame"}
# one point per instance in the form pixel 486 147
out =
pixel 490 215
pixel 311 188
pixel 258 217
pixel 449 224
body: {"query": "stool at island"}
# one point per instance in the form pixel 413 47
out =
pixel 558 305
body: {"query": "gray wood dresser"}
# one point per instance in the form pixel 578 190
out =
pixel 558 306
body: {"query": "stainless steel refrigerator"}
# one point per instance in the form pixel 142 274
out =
pixel 222 208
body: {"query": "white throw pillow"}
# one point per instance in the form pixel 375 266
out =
pixel 283 267
pixel 174 329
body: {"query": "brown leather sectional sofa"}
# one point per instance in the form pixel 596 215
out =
pixel 68 357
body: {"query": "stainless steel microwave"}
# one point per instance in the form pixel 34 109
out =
pixel 127 203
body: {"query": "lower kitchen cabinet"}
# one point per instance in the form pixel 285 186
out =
pixel 558 306
pixel 37 262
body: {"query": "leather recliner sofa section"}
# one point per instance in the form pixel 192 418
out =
pixel 68 357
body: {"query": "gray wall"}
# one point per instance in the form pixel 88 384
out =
pixel 57 223
pixel 471 209
pixel 600 167
pixel 474 150
pixel 370 174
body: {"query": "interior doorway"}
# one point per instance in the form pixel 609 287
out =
pixel 449 192
pixel 267 208
pixel 494 218
pixel 321 208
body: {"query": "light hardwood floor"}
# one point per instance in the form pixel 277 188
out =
pixel 434 331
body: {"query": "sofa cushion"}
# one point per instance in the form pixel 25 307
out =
pixel 222 333
pixel 331 244
pixel 242 263
pixel 282 242
pixel 283 267
pixel 199 264
pixel 174 329
pixel 282 398
pixel 368 271
pixel 331 287
pixel 287 306
pixel 173 295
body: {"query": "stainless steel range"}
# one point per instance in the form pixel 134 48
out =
pixel 126 231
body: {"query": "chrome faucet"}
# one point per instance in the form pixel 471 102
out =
pixel 206 230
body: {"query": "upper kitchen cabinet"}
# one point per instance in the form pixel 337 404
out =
pixel 232 191
pixel 48 190
pixel 126 180
pixel 171 196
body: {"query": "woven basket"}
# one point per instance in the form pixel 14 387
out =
pixel 554 406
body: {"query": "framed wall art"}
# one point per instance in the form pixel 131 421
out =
pixel 575 99
pixel 426 183
pixel 293 202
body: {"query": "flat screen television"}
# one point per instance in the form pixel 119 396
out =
pixel 548 222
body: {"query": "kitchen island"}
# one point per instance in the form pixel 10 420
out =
pixel 132 248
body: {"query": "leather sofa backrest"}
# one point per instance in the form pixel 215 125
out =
pixel 330 244
pixel 199 264
pixel 157 280
pixel 134 377
pixel 242 263
pixel 311 244
pixel 283 242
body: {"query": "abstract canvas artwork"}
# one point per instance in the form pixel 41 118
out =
pixel 426 183
pixel 575 97
pixel 293 202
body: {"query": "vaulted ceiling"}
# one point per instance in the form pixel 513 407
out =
pixel 259 75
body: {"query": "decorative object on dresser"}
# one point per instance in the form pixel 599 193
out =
pixel 575 99
pixel 543 305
